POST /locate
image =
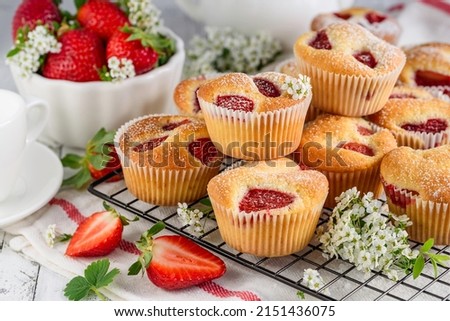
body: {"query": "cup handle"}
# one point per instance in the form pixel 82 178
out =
pixel 37 116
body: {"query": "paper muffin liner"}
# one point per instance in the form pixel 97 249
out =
pixel 266 235
pixel 367 180
pixel 439 92
pixel 162 185
pixel 312 113
pixel 430 219
pixel 255 136
pixel 348 95
pixel 418 140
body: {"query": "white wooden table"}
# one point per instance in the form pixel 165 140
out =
pixel 20 278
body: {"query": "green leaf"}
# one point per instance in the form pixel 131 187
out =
pixel 79 3
pixel 440 258
pixel 64 238
pixel 135 268
pixel 72 161
pixel 155 229
pixel 427 246
pixel 13 52
pixel 98 161
pixel 301 295
pixel 435 268
pixel 77 288
pixel 57 2
pixel 96 271
pixel 206 202
pixel 418 266
pixel 96 276
pixel 79 180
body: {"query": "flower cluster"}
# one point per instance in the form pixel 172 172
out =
pixel 226 50
pixel 52 236
pixel 297 88
pixel 144 15
pixel 313 280
pixel 190 217
pixel 362 231
pixel 31 48
pixel 120 69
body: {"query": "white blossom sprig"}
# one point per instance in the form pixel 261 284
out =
pixel 362 231
pixel 297 88
pixel 118 70
pixel 30 49
pixel 191 217
pixel 227 50
pixel 313 280
pixel 143 14
pixel 52 236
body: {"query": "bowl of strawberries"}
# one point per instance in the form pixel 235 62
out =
pixel 108 63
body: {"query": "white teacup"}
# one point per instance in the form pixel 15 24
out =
pixel 21 122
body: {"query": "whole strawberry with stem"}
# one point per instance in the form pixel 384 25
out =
pixel 145 50
pixel 31 12
pixel 175 262
pixel 99 234
pixel 81 57
pixel 101 17
pixel 99 160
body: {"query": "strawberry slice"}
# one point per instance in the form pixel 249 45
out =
pixel 360 148
pixel 364 131
pixel 172 126
pixel 402 96
pixel 374 17
pixel 321 41
pixel 204 150
pixel 267 88
pixel 235 102
pixel 150 144
pixel 175 262
pixel 98 235
pixel 366 58
pixel 344 16
pixel 433 125
pixel 264 199
pixel 431 78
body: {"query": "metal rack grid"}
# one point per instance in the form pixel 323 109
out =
pixel 342 280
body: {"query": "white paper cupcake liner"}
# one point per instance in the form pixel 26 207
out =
pixel 348 95
pixel 255 136
pixel 430 219
pixel 162 185
pixel 367 180
pixel 266 235
pixel 417 140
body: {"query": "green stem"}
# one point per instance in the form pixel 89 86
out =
pixel 99 294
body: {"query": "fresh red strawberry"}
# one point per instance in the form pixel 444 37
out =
pixel 30 12
pixel 98 235
pixel 120 45
pixel 175 262
pixel 82 55
pixel 102 17
pixel 99 160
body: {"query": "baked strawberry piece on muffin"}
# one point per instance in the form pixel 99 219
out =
pixel 380 24
pixel 427 65
pixel 417 182
pixel 415 117
pixel 255 117
pixel 347 150
pixel 352 71
pixel 268 208
pixel 167 159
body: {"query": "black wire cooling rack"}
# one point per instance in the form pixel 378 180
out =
pixel 342 280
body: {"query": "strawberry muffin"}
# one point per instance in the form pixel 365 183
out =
pixel 417 182
pixel 268 208
pixel 380 24
pixel 352 71
pixel 347 150
pixel 255 117
pixel 167 159
pixel 427 65
pixel 415 117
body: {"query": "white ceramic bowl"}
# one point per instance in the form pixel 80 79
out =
pixel 283 19
pixel 79 110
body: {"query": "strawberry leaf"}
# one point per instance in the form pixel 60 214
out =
pixel 135 268
pixel 72 161
pixel 155 229
pixel 96 276
pixel 79 180
pixel 79 3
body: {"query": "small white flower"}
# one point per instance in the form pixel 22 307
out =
pixel 50 235
pixel 144 15
pixel 190 217
pixel 313 280
pixel 297 88
pixel 120 69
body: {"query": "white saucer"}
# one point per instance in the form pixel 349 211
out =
pixel 40 179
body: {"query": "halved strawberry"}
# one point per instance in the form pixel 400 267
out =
pixel 98 235
pixel 99 160
pixel 175 262
pixel 31 12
